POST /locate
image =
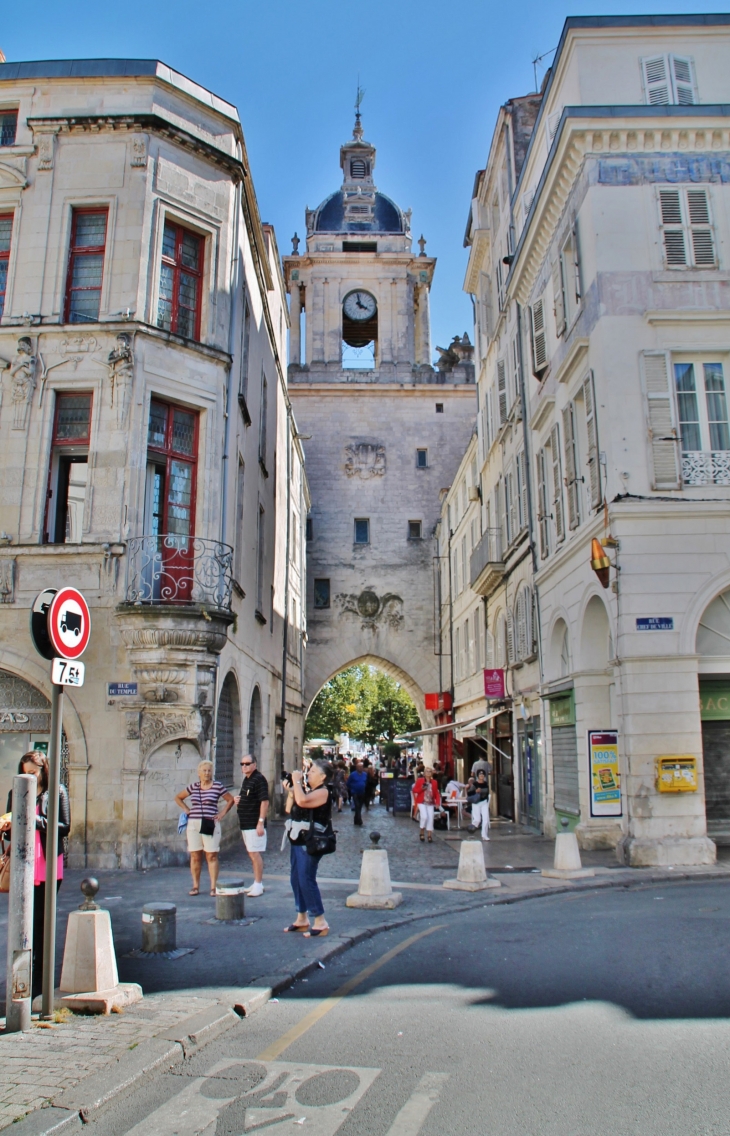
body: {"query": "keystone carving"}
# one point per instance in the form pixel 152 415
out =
pixel 372 610
pixel 365 459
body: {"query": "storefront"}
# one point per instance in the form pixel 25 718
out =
pixel 529 750
pixel 715 715
pixel 503 766
pixel 25 723
pixel 564 744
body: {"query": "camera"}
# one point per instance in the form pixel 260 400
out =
pixel 286 778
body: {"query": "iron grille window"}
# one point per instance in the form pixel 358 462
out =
pixel 85 265
pixel 6 229
pixel 8 127
pixel 178 308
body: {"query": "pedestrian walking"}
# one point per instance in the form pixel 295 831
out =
pixel 310 815
pixel 481 763
pixel 357 784
pixel 477 794
pixel 36 763
pixel 253 808
pixel 203 829
pixel 426 796
pixel 371 786
pixel 339 785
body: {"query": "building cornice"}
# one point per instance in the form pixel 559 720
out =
pixel 375 390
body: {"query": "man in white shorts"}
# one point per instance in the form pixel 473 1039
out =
pixel 253 806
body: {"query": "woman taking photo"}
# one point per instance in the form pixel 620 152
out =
pixel 426 795
pixel 310 813
pixel 204 822
pixel 36 763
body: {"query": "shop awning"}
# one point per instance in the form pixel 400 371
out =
pixel 479 722
pixel 441 729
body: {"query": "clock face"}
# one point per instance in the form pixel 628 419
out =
pixel 359 306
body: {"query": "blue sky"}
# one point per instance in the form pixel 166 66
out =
pixel 434 72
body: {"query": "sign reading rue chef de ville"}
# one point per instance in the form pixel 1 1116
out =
pixel 655 623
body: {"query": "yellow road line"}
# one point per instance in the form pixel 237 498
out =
pixel 277 1047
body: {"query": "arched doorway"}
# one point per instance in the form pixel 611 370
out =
pixel 228 730
pixel 255 718
pixel 25 723
pixel 713 647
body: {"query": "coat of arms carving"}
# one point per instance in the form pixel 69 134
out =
pixel 364 459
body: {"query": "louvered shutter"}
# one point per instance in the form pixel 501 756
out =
pixel 522 478
pixel 515 370
pixel 558 513
pixel 531 623
pixel 571 480
pixel 553 122
pixel 502 391
pixel 661 420
pixel 542 496
pixel 456 662
pixel 490 660
pixel 670 204
pixel 682 71
pixel 577 279
pixel 559 295
pixel 504 536
pixel 539 342
pixel 703 247
pixel 593 463
pixel 514 526
pixel 510 639
pixel 657 84
pixel 520 636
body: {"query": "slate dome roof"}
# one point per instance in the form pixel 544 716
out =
pixel 330 217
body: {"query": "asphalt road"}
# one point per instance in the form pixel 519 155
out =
pixel 601 1013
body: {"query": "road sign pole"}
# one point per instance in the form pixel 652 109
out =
pixel 54 781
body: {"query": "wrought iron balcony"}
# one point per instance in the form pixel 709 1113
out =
pixel 486 566
pixel 706 467
pixel 170 569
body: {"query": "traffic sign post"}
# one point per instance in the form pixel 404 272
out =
pixel 60 626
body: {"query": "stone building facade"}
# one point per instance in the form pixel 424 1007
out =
pixel 149 452
pixel 598 237
pixel 383 430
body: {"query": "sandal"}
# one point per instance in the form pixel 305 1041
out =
pixel 315 932
pixel 296 927
pixel 212 891
pixel 430 838
pixel 194 891
pixel 421 837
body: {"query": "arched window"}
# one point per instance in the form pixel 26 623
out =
pixel 358 168
pixel 227 730
pixel 255 737
pixel 524 625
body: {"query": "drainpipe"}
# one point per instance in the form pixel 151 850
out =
pixel 285 633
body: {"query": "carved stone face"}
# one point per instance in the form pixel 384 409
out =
pixel 368 604
pixel 25 347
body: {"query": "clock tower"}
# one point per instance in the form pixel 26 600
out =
pixel 387 429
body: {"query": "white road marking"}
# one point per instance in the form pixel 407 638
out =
pixel 187 1114
pixel 426 1094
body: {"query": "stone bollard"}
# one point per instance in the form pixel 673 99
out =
pixel 375 889
pixel 471 874
pixel 567 862
pixel 159 927
pixel 89 979
pixel 229 901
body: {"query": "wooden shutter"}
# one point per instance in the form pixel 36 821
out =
pixel 698 210
pixel 682 71
pixel 515 371
pixel 512 522
pixel 522 486
pixel 502 490
pixel 657 83
pixel 520 629
pixel 577 278
pixel 593 463
pixel 530 617
pixel 670 205
pixel 510 638
pixel 571 472
pixel 539 342
pixel 502 390
pixel 558 514
pixel 559 296
pixel 456 664
pixel 542 497
pixel 489 660
pixel 661 420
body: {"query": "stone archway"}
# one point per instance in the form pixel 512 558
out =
pixel 255 725
pixel 401 676
pixel 713 648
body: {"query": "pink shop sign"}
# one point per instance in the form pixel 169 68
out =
pixel 494 683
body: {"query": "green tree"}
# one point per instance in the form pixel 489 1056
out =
pixel 391 710
pixel 342 705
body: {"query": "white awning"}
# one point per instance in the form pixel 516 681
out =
pixel 479 722
pixel 442 729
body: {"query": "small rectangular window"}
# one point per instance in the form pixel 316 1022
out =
pixel 362 530
pixel 8 127
pixel 310 529
pixel 439 407
pixel 6 230
pixel 422 459
pixel 669 79
pixel 687 229
pixel 181 272
pixel 414 530
pixel 539 340
pixel 85 265
pixel 321 594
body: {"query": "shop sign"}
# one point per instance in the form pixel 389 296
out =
pixel 655 623
pixel 121 689
pixel 562 710
pixel 438 701
pixel 604 773
pixel 494 683
pixel 714 702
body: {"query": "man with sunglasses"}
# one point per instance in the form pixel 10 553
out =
pixel 253 805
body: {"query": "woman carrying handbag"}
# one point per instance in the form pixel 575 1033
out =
pixel 311 837
pixel 203 829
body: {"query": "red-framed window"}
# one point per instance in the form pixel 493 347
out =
pixel 85 265
pixel 69 468
pixel 181 281
pixel 172 457
pixel 6 231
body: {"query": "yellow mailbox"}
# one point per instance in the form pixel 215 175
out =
pixel 677 774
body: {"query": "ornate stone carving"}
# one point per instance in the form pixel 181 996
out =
pixel 139 150
pixel 120 363
pixel 372 610
pixel 22 706
pixel 7 581
pixel 174 637
pixel 365 459
pixel 78 345
pixel 157 728
pixel 45 149
pixel 22 381
pixel 132 725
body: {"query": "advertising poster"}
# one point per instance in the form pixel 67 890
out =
pixel 494 683
pixel 604 773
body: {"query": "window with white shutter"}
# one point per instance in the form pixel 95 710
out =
pixel 511 655
pixel 502 495
pixel 520 628
pixel 539 341
pixel 515 392
pixel 593 459
pixel 522 489
pixel 570 277
pixel 502 390
pixel 687 228
pixel 571 466
pixel 511 505
pixel 661 420
pixel 543 506
pixel 559 296
pixel 669 79
pixel 464 564
pixel 558 513
pixel 489 653
pixel 551 127
pixel 457 653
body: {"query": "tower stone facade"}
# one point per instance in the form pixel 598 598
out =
pixel 384 430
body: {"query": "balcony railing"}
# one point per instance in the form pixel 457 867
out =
pixel 486 566
pixel 706 467
pixel 169 569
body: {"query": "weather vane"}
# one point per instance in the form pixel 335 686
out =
pixel 358 103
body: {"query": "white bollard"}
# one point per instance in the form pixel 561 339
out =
pixel 89 978
pixel 375 889
pixel 471 874
pixel 20 904
pixel 567 863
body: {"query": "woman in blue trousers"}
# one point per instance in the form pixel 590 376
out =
pixel 310 801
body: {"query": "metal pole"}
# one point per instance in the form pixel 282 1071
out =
pixel 54 780
pixel 20 906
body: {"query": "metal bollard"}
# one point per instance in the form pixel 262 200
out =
pixel 229 899
pixel 159 927
pixel 20 905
